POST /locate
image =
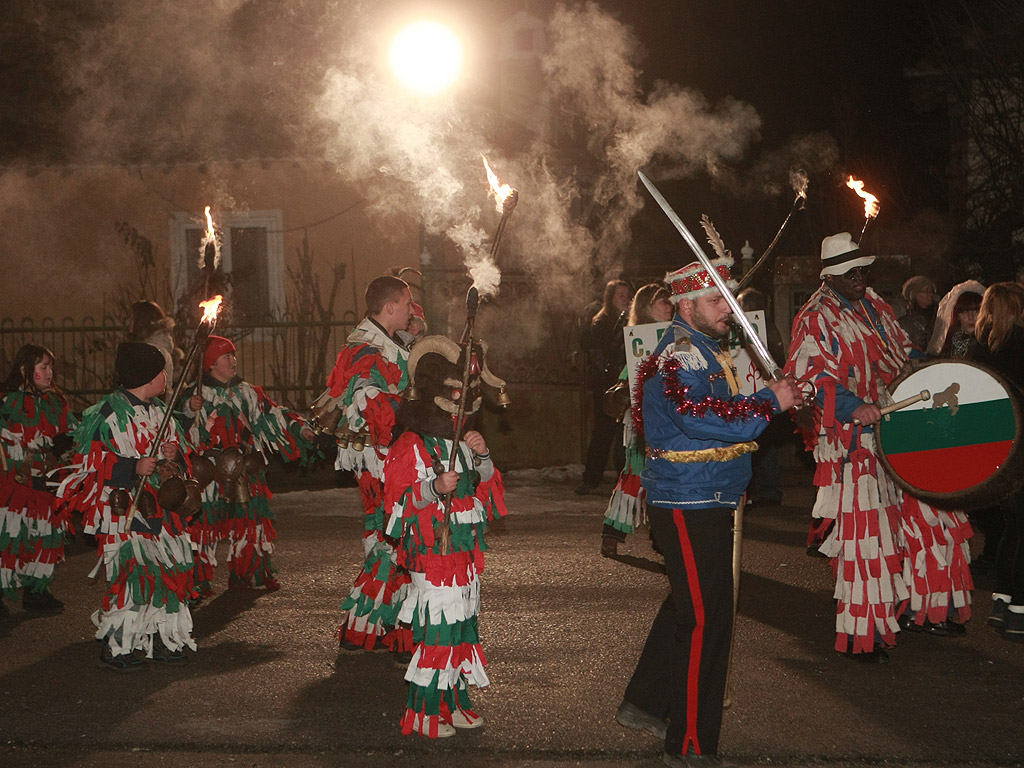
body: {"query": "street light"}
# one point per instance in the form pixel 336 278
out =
pixel 426 56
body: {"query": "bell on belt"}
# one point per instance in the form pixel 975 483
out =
pixel 359 441
pixel 172 493
pixel 146 502
pixel 411 393
pixel 203 470
pixel 503 400
pixel 241 494
pixel 119 501
pixel 344 438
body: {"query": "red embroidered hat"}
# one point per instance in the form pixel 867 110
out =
pixel 693 281
pixel 216 346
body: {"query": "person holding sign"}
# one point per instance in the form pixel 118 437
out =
pixel 650 305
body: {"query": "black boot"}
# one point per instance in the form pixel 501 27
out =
pixel 41 602
pixel 164 654
pixel 126 662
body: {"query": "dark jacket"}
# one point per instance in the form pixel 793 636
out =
pixel 1008 360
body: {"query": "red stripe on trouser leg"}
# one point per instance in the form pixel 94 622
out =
pixel 697 639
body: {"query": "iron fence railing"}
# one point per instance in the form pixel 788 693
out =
pixel 290 359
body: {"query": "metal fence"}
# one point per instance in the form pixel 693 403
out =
pixel 289 359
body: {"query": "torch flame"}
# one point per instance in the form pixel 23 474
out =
pixel 209 236
pixel 211 306
pixel 798 181
pixel 499 190
pixel 870 201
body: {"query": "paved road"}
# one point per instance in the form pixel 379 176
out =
pixel 561 628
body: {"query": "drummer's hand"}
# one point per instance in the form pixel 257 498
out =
pixel 787 391
pixel 867 414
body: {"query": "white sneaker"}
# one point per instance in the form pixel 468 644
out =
pixel 444 731
pixel 462 719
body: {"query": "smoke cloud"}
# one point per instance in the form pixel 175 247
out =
pixel 162 80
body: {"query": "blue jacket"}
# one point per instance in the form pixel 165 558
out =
pixel 697 485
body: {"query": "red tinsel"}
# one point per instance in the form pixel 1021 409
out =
pixel 728 409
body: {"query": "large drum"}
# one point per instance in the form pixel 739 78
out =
pixel 959 448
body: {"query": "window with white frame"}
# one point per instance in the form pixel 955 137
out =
pixel 252 258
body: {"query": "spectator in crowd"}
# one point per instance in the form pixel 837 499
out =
pixel 650 304
pixel 605 356
pixel 917 323
pixel 954 321
pixel 999 344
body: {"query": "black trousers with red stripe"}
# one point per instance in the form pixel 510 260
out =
pixel 682 670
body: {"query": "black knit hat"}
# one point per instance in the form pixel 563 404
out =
pixel 137 363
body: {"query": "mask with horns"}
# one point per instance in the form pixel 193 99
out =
pixel 436 366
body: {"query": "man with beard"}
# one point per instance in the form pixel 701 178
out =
pixel 699 434
pixel 888 548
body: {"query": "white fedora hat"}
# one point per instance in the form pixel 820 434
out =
pixel 839 254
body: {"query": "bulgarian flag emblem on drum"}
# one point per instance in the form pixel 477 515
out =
pixel 951 445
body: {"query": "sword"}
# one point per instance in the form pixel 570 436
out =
pixel 757 346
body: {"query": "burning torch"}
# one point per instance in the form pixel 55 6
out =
pixel 206 326
pixel 870 203
pixel 505 198
pixel 798 180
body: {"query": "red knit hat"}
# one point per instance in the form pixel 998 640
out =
pixel 216 346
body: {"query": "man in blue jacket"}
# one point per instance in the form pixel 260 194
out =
pixel 699 434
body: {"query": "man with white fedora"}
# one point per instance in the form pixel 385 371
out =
pixel 899 563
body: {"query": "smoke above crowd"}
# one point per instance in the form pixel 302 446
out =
pixel 159 78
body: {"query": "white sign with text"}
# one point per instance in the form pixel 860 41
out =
pixel 641 340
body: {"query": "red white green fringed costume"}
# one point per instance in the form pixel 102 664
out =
pixel 444 595
pixel 367 382
pixel 626 506
pixel 33 531
pixel 148 567
pixel 239 415
pixel 890 551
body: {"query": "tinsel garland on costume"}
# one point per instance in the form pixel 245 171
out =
pixel 677 393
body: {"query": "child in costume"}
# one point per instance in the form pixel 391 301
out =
pixel 444 565
pixel 238 420
pixel 34 426
pixel 148 562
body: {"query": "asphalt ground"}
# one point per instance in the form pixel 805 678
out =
pixel 562 628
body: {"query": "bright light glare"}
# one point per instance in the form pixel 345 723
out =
pixel 426 56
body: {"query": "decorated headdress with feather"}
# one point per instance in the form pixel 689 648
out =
pixel 693 280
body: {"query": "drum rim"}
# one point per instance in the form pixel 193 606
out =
pixel 937 497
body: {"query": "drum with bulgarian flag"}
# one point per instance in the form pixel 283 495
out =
pixel 959 448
